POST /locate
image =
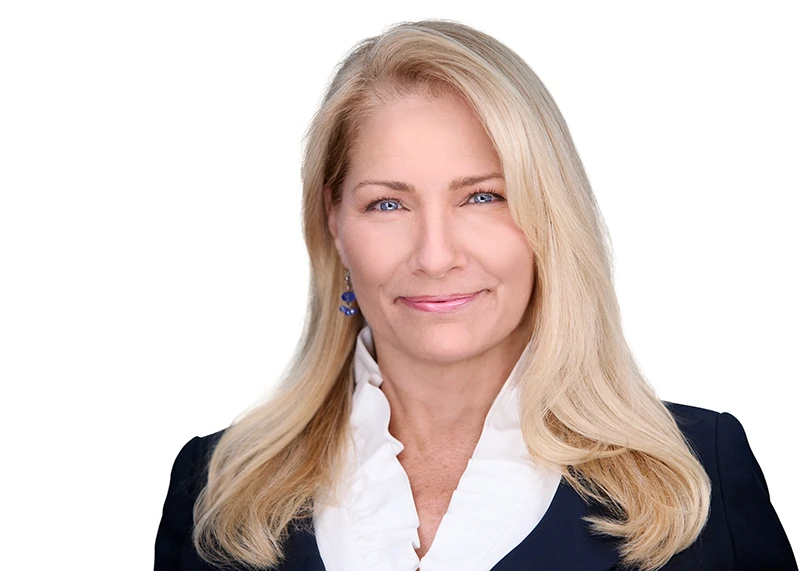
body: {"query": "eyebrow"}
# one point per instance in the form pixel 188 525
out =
pixel 455 184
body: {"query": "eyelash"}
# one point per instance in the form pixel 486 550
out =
pixel 374 203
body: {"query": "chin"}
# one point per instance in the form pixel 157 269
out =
pixel 447 343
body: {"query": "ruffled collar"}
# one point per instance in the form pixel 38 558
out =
pixel 499 499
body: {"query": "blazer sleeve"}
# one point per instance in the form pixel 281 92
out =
pixel 759 541
pixel 174 550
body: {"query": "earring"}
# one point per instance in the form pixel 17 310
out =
pixel 348 297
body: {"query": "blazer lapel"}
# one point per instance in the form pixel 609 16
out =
pixel 562 540
pixel 300 551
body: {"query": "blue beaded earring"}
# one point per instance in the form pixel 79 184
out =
pixel 348 297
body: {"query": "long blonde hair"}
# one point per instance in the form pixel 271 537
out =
pixel 586 409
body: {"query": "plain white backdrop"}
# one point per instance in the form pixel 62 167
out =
pixel 153 274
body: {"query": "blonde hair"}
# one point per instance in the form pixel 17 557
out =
pixel 586 409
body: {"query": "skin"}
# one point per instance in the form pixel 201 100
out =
pixel 433 235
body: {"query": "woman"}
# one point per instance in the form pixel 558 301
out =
pixel 469 401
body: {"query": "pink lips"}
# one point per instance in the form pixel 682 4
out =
pixel 439 303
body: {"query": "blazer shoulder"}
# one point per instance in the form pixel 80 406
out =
pixel 743 527
pixel 692 414
pixel 206 444
pixel 173 545
pixel 707 431
pixel 190 470
pixel 699 425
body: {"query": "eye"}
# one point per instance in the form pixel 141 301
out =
pixel 384 204
pixel 483 197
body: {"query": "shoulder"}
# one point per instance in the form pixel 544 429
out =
pixel 699 426
pixel 720 443
pixel 190 469
pixel 742 521
pixel 173 546
pixel 192 461
pixel 718 439
pixel 693 418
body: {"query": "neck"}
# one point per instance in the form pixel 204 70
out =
pixel 438 406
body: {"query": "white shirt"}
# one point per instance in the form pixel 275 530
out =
pixel 500 498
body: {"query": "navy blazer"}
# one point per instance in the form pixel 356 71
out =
pixel 743 531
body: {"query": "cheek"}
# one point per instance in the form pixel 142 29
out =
pixel 371 253
pixel 505 253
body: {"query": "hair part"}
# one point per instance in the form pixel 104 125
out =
pixel 586 409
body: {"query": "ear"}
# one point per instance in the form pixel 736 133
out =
pixel 332 214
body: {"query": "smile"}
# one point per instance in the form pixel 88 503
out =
pixel 440 303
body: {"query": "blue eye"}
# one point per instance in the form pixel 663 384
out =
pixel 385 204
pixel 483 197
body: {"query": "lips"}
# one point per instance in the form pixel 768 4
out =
pixel 440 303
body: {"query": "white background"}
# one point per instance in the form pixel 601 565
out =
pixel 153 275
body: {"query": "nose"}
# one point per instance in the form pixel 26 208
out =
pixel 438 247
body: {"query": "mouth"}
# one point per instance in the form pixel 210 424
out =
pixel 440 303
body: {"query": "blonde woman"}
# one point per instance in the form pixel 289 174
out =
pixel 463 397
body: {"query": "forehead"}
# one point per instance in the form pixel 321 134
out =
pixel 422 137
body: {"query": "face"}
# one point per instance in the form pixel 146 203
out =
pixel 440 270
